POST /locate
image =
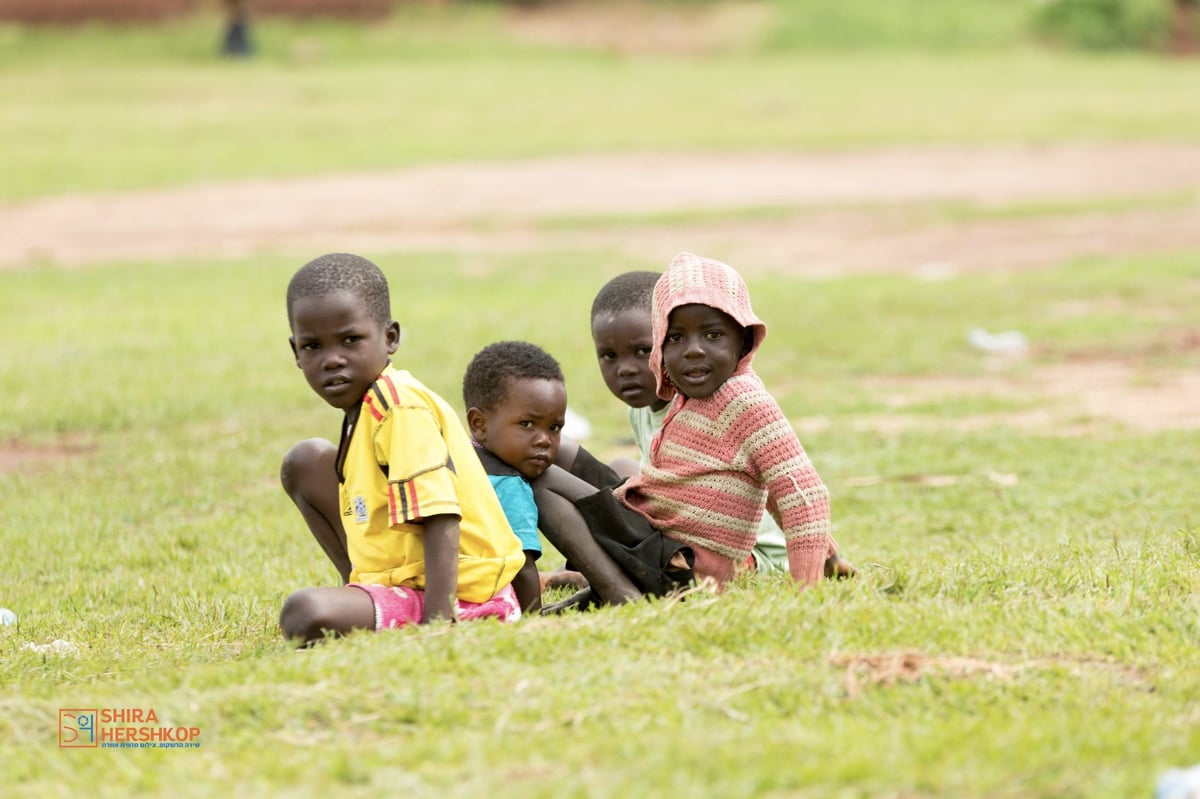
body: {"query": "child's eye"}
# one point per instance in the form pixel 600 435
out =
pixel 644 352
pixel 525 423
pixel 674 338
pixel 606 356
pixel 311 346
pixel 713 335
pixel 352 339
pixel 555 428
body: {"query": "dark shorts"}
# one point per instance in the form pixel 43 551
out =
pixel 593 471
pixel 642 552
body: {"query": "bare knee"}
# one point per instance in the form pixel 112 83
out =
pixel 305 616
pixel 561 482
pixel 303 461
pixel 312 613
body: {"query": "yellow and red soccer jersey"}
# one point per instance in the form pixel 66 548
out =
pixel 407 457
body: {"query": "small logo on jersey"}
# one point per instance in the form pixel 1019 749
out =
pixel 360 510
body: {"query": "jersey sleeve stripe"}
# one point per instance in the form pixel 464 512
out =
pixel 391 386
pixel 369 401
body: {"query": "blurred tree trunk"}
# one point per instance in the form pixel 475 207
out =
pixel 237 43
pixel 1183 27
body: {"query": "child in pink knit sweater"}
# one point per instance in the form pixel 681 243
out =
pixel 725 452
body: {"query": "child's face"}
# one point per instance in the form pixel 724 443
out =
pixel 339 347
pixel 524 429
pixel 702 349
pixel 623 344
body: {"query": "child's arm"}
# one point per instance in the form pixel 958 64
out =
pixel 568 448
pixel 556 492
pixel 441 566
pixel 797 498
pixel 528 585
pixel 573 458
pixel 799 502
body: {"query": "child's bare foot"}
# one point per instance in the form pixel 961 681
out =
pixel 562 578
pixel 838 568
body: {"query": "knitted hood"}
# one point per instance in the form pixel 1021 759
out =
pixel 693 280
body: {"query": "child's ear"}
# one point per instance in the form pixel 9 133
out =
pixel 295 352
pixel 477 424
pixel 391 334
pixel 747 341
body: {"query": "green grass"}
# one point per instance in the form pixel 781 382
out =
pixel 958 211
pixel 164 551
pixel 938 25
pixel 95 110
pixel 1049 620
pixel 952 211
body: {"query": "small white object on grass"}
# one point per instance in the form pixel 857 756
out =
pixel 56 647
pixel 1009 342
pixel 7 617
pixel 1179 784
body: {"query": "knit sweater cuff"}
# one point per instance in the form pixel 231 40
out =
pixel 806 559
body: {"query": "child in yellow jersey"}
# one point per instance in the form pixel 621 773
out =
pixel 414 528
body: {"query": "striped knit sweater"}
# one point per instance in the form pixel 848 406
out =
pixel 718 462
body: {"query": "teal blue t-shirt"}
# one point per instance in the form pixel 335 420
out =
pixel 516 498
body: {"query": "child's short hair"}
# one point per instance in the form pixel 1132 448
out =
pixel 485 383
pixel 628 291
pixel 340 271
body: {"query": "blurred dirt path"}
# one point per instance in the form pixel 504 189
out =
pixel 930 211
pixel 802 212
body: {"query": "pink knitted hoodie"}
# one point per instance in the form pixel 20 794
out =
pixel 692 280
pixel 719 461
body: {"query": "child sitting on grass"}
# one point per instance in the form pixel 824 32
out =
pixel 516 402
pixel 414 527
pixel 725 451
pixel 623 337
